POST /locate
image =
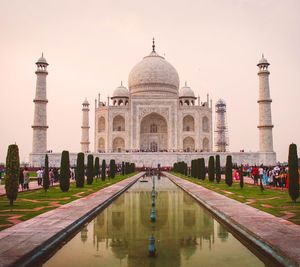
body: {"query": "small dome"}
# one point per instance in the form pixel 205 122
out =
pixel 42 60
pixel 263 61
pixel 121 91
pixel 186 91
pixel 85 102
pixel 221 102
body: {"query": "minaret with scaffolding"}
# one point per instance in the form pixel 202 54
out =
pixel 221 129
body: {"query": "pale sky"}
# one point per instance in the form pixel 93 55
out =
pixel 91 45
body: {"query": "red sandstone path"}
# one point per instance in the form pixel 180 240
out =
pixel 32 186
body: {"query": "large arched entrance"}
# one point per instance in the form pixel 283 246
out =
pixel 153 133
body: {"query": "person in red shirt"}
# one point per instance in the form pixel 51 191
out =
pixel 255 174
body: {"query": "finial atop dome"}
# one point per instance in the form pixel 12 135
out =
pixel 263 61
pixel 153 45
pixel 42 60
pixel 121 83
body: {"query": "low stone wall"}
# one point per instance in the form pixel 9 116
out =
pixel 165 159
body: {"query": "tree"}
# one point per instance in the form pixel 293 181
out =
pixel 90 169
pixel 211 169
pixel 127 167
pixel 97 167
pixel 12 173
pixel 293 173
pixel 218 169
pixel 46 182
pixel 228 171
pixel 193 167
pixel 123 168
pixel 80 170
pixel 64 178
pixel 103 170
pixel 241 177
pixel 112 168
pixel 202 171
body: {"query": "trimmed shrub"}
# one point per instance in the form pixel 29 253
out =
pixel 46 182
pixel 202 170
pixel 293 173
pixel 64 178
pixel 241 177
pixel 123 168
pixel 79 176
pixel 97 167
pixel 211 169
pixel 12 173
pixel 103 170
pixel 90 169
pixel 218 169
pixel 228 171
pixel 127 167
pixel 112 168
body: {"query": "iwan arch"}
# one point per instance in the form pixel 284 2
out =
pixel 153 121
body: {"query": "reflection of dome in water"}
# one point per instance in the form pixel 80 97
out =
pixel 189 247
pixel 120 248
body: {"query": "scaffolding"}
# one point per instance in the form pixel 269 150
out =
pixel 221 129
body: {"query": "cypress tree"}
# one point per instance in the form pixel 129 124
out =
pixel 12 173
pixel 103 170
pixel 127 167
pixel 211 168
pixel 218 169
pixel 97 167
pixel 80 170
pixel 46 182
pixel 90 169
pixel 193 168
pixel 228 171
pixel 202 169
pixel 64 178
pixel 198 168
pixel 112 168
pixel 241 177
pixel 293 173
pixel 123 168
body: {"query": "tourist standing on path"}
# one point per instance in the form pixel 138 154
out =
pixel 21 179
pixel 26 178
pixel 39 174
pixel 51 177
pixel 255 174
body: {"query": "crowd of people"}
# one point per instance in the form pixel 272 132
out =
pixel 276 176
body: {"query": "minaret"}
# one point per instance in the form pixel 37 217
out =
pixel 264 103
pixel 39 141
pixel 85 127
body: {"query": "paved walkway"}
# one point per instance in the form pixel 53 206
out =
pixel 26 242
pixel 266 231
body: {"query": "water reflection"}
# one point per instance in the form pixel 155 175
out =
pixel 185 233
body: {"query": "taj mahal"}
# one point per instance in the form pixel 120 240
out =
pixel 154 121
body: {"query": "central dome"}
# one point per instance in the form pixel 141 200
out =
pixel 153 76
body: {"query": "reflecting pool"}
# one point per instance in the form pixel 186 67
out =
pixel 185 234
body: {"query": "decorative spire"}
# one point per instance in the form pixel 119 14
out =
pixel 121 83
pixel 185 84
pixel 153 45
pixel 42 54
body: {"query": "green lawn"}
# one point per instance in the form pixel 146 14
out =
pixel 32 203
pixel 273 201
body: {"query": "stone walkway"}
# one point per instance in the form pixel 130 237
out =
pixel 267 232
pixel 33 185
pixel 27 242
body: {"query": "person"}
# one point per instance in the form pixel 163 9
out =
pixel 39 174
pixel 261 173
pixel 51 177
pixel 26 178
pixel 21 179
pixel 255 174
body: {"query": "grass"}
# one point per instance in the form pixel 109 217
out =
pixel 273 201
pixel 32 203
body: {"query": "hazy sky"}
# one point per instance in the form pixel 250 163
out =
pixel 91 45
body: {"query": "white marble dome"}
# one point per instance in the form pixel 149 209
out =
pixel 42 60
pixel 153 75
pixel 121 91
pixel 186 91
